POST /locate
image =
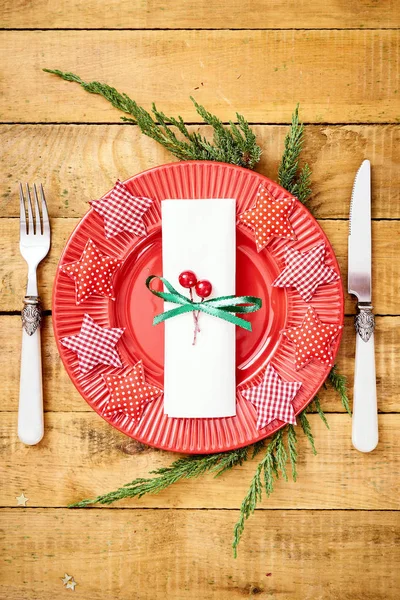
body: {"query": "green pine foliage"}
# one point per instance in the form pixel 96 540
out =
pixel 236 144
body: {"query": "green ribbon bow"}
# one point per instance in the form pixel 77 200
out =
pixel 223 307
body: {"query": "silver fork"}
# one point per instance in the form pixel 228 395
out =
pixel 34 244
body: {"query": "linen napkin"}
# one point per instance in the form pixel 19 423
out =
pixel 199 380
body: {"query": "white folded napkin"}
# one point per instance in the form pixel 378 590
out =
pixel 199 380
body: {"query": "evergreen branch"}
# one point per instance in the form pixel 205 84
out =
pixel 296 183
pixel 292 447
pixel 267 468
pixel 288 167
pixel 235 144
pixel 306 427
pixel 316 404
pixel 187 467
pixel 339 384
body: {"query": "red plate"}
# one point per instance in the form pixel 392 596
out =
pixel 134 307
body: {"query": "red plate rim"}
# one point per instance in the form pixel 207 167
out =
pixel 189 448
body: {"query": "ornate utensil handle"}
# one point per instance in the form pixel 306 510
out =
pixel 365 413
pixel 30 411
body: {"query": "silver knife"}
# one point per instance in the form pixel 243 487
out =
pixel 365 414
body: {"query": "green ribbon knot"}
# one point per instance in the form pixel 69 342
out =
pixel 223 307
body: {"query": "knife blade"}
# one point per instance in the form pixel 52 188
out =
pixel 365 417
pixel 359 279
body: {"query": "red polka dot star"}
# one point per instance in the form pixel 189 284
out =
pixel 313 339
pixel 129 393
pixel 92 273
pixel 269 218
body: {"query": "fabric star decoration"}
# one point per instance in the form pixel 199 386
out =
pixel 94 345
pixel 313 339
pixel 269 218
pixel 66 578
pixel 305 271
pixel 129 394
pixel 21 500
pixel 122 211
pixel 272 398
pixel 92 273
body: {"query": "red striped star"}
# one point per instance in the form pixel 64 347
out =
pixel 313 339
pixel 129 393
pixel 269 218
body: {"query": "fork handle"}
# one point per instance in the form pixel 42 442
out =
pixel 30 411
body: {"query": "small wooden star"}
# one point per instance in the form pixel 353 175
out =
pixel 66 578
pixel 22 500
pixel 71 585
pixel 269 218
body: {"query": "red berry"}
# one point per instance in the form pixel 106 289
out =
pixel 203 288
pixel 187 279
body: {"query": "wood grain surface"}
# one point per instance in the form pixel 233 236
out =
pixel 77 163
pixel 333 534
pixel 286 554
pixel 337 76
pixel 199 14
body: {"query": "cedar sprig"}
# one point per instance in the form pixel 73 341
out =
pixel 289 177
pixel 339 384
pixel 187 467
pixel 270 468
pixel 235 144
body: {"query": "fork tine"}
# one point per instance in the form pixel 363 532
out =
pixel 45 214
pixel 22 214
pixel 39 229
pixel 31 229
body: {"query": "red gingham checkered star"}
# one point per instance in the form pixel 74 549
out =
pixel 269 218
pixel 305 271
pixel 313 339
pixel 129 394
pixel 122 211
pixel 92 273
pixel 94 345
pixel 272 398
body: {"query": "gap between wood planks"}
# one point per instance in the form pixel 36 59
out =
pixel 201 123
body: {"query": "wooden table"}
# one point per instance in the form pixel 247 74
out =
pixel 335 533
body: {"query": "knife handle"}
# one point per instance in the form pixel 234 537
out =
pixel 365 411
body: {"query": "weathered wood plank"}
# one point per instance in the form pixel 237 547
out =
pixel 61 395
pixel 263 74
pixel 386 262
pixel 87 457
pixel 183 14
pixel 77 163
pixel 186 555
